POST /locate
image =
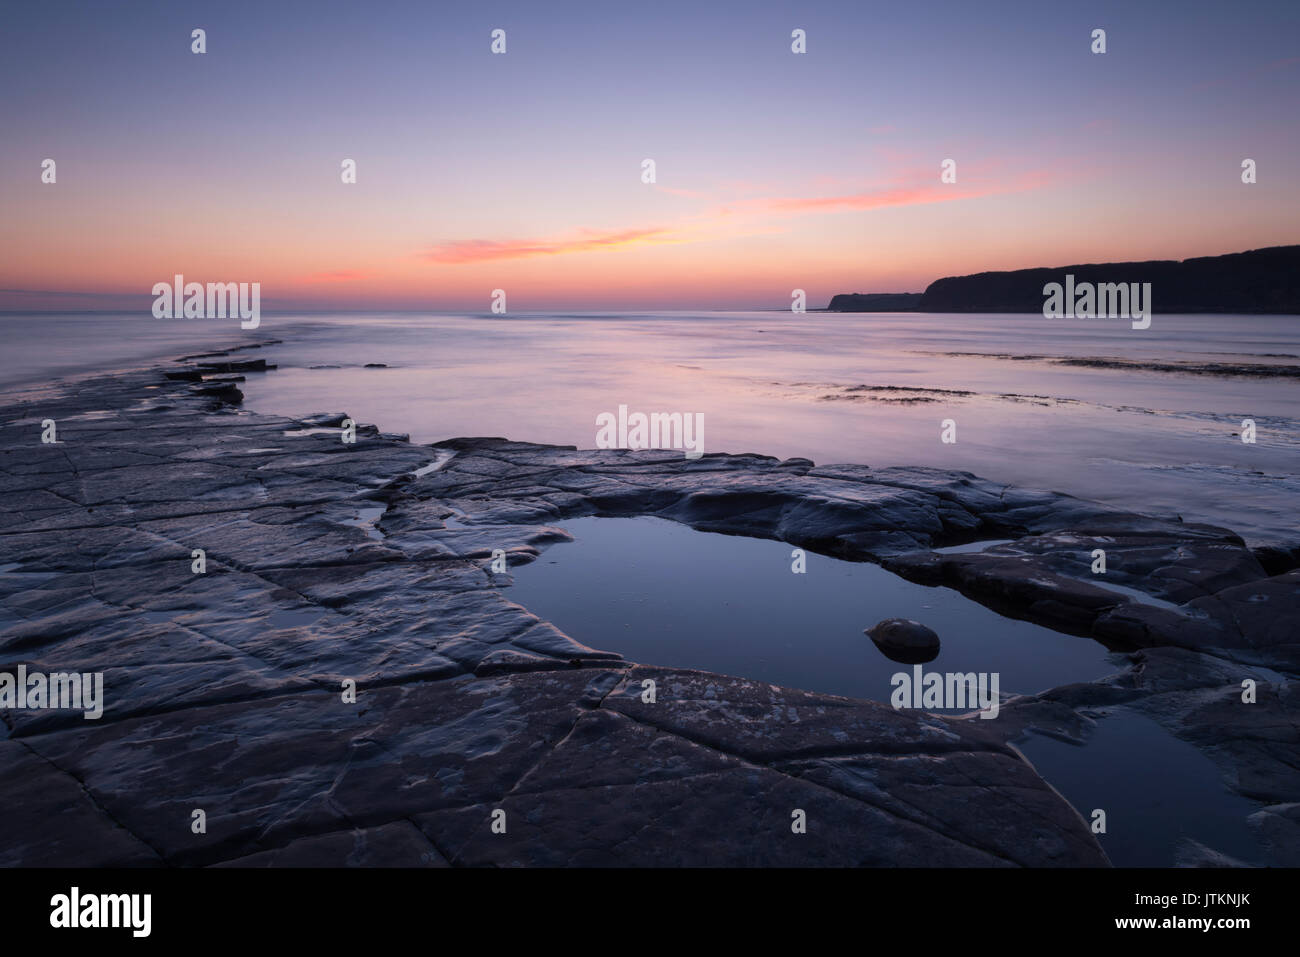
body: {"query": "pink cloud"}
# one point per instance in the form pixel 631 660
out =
pixel 897 195
pixel 485 250
pixel 731 220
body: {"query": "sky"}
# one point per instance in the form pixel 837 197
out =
pixel 523 171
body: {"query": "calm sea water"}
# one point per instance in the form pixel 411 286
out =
pixel 775 383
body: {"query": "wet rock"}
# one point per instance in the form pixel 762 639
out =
pixel 50 820
pixel 238 365
pixel 1192 853
pixel 905 641
pixel 400 844
pixel 1278 828
pixel 226 392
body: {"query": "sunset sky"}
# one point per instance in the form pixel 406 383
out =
pixel 523 171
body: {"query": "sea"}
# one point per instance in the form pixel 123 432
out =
pixel 1150 420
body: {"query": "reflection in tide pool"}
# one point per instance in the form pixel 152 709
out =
pixel 1157 792
pixel 662 593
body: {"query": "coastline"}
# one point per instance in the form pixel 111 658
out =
pixel 466 703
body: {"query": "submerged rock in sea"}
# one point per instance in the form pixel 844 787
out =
pixel 227 687
pixel 905 641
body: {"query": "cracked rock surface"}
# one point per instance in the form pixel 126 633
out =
pixel 223 689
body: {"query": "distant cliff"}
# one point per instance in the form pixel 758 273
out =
pixel 1259 281
pixel 875 302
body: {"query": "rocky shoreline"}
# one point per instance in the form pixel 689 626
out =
pixel 225 689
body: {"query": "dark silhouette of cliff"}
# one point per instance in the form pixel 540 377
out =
pixel 1258 281
pixel 875 302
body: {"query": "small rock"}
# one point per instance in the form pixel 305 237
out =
pixel 905 641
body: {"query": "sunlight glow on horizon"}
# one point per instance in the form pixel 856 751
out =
pixel 775 171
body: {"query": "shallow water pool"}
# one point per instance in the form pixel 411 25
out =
pixel 662 593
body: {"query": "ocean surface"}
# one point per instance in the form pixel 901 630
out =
pixel 1152 425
